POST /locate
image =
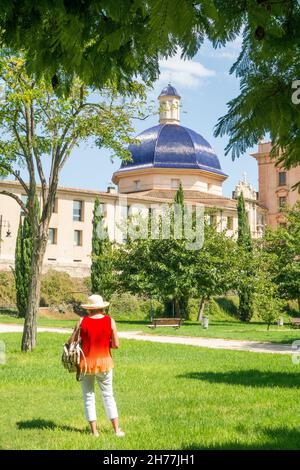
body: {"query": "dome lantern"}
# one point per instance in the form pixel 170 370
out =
pixel 169 104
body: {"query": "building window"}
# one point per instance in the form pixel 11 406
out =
pixel 52 236
pixel 212 220
pixel 78 210
pixel 260 219
pixel 77 237
pixel 137 185
pixel 229 223
pixel 282 201
pixel 55 206
pixel 282 178
pixel 175 183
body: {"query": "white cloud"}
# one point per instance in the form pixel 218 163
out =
pixel 230 51
pixel 188 73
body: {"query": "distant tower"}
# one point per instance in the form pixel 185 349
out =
pixel 169 104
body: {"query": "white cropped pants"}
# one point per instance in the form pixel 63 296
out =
pixel 104 380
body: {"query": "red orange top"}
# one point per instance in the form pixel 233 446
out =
pixel 95 343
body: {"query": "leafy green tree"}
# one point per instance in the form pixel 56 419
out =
pixel 284 244
pixel 168 271
pixel 267 67
pixel 102 256
pixel 214 269
pixel 266 300
pixel 39 130
pixel 245 243
pixel 158 269
pixel 101 41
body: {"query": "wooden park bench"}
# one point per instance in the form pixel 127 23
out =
pixel 174 322
pixel 295 322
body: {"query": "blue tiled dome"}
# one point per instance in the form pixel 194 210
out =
pixel 169 91
pixel 172 146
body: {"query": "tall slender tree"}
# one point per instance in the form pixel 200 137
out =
pixel 245 243
pixel 23 256
pixel 179 196
pixel 102 252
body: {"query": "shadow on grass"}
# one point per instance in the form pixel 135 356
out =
pixel 228 306
pixel 247 378
pixel 270 439
pixel 47 424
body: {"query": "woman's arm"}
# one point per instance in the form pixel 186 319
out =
pixel 114 335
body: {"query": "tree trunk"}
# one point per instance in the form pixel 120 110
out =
pixel 177 308
pixel 30 325
pixel 201 309
pixel 299 304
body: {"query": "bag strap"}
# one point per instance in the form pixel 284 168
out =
pixel 78 330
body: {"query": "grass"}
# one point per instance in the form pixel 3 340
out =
pixel 169 397
pixel 227 329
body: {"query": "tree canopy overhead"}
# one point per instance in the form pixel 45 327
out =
pixel 98 40
pixel 109 40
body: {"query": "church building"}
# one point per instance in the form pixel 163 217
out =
pixel 163 157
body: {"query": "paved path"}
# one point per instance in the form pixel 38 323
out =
pixel 213 343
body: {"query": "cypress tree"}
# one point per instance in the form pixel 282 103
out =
pixel 180 304
pixel 244 240
pixel 179 196
pixel 244 235
pixel 23 255
pixel 102 263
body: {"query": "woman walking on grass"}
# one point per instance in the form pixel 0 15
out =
pixel 98 334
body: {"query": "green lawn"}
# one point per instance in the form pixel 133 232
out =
pixel 169 397
pixel 11 317
pixel 227 329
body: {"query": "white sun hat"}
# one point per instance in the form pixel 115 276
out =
pixel 95 301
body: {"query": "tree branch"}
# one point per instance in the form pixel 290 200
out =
pixel 16 174
pixel 14 196
pixel 66 153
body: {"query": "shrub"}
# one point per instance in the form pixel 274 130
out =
pixel 7 289
pixel 126 306
pixel 60 290
pixel 212 309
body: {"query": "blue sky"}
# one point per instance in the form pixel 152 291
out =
pixel 205 87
